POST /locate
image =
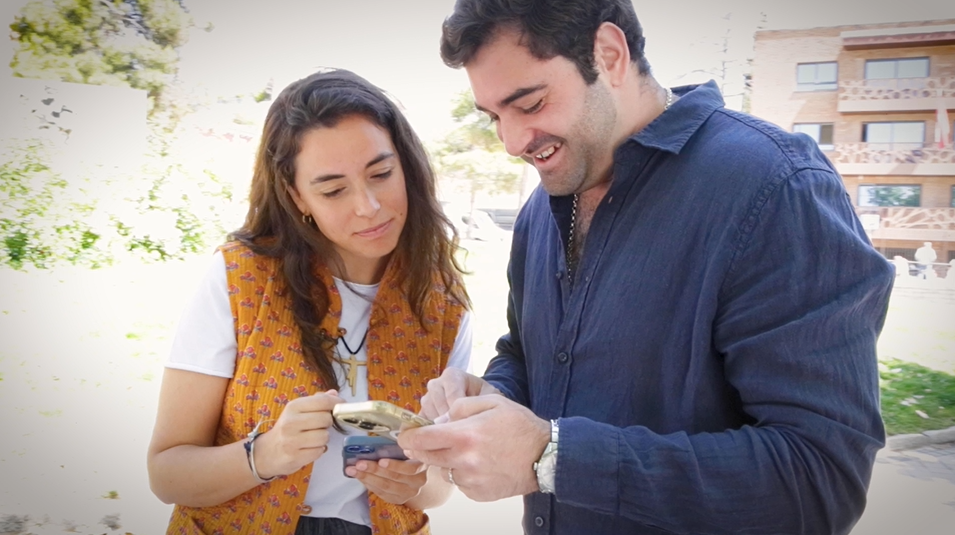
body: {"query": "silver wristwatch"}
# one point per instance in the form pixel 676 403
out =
pixel 546 466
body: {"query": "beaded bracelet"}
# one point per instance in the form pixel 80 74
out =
pixel 250 451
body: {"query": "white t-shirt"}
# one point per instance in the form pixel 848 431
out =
pixel 205 342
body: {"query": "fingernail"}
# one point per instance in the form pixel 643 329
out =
pixel 383 463
pixel 444 418
pixel 351 471
pixel 408 454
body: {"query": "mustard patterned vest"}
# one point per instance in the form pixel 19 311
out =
pixel 270 370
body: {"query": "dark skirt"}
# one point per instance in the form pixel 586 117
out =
pixel 308 525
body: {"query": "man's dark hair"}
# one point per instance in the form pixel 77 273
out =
pixel 548 28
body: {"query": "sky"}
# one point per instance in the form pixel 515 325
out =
pixel 394 43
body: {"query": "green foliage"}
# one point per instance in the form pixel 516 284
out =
pixel 91 217
pixel 472 155
pixel 894 196
pixel 101 42
pixel 57 210
pixel 909 389
pixel 38 224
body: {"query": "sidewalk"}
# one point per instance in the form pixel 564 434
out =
pixel 913 489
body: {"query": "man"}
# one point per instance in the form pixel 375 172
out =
pixel 693 305
pixel 925 256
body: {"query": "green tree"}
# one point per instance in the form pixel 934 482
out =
pixel 57 211
pixel 472 157
pixel 894 196
pixel 131 43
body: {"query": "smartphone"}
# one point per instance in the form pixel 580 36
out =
pixel 360 447
pixel 378 417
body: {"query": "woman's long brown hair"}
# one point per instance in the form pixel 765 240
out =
pixel 274 226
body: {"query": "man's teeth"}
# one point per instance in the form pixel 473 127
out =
pixel 546 154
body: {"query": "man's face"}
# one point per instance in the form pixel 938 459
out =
pixel 545 113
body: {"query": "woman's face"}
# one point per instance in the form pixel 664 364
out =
pixel 349 179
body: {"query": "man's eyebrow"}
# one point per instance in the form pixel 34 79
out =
pixel 376 160
pixel 518 93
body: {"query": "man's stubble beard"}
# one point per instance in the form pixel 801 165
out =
pixel 592 133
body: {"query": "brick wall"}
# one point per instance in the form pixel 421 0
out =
pixel 774 98
pixel 777 53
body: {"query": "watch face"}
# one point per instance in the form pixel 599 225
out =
pixel 546 468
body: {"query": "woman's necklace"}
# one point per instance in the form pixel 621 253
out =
pixel 353 362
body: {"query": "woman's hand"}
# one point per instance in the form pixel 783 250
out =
pixel 392 480
pixel 299 437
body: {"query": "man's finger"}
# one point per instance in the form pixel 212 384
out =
pixel 429 437
pixel 470 406
pixel 444 458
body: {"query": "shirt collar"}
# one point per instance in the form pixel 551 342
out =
pixel 672 129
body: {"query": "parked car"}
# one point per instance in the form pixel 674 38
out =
pixel 502 217
pixel 479 223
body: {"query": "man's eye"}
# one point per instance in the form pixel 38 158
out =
pixel 535 107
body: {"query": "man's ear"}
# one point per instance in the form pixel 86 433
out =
pixel 611 53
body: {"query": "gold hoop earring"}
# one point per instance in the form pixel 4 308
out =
pixel 307 219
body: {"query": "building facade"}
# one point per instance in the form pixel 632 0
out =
pixel 880 102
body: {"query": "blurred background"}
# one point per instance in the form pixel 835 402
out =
pixel 127 134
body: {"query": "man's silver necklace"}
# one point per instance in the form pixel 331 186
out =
pixel 572 256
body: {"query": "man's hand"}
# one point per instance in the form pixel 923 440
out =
pixel 451 386
pixel 300 435
pixel 490 443
pixel 392 480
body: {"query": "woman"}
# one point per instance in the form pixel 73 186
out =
pixel 340 286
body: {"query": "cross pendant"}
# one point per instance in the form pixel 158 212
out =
pixel 353 364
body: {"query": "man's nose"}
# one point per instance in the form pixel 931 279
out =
pixel 514 136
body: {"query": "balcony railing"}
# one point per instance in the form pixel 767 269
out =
pixel 891 153
pixel 897 89
pixel 908 218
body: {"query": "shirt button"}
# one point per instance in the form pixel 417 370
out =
pixel 539 521
pixel 562 357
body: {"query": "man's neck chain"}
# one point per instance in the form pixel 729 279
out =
pixel 572 254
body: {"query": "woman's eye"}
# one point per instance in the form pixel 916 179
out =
pixel 382 176
pixel 333 193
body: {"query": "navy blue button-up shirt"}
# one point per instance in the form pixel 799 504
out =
pixel 713 365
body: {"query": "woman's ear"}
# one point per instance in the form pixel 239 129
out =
pixel 302 207
pixel 611 53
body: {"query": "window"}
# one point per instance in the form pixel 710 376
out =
pixel 816 76
pixel 879 195
pixel 821 133
pixel 894 136
pixel 884 69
